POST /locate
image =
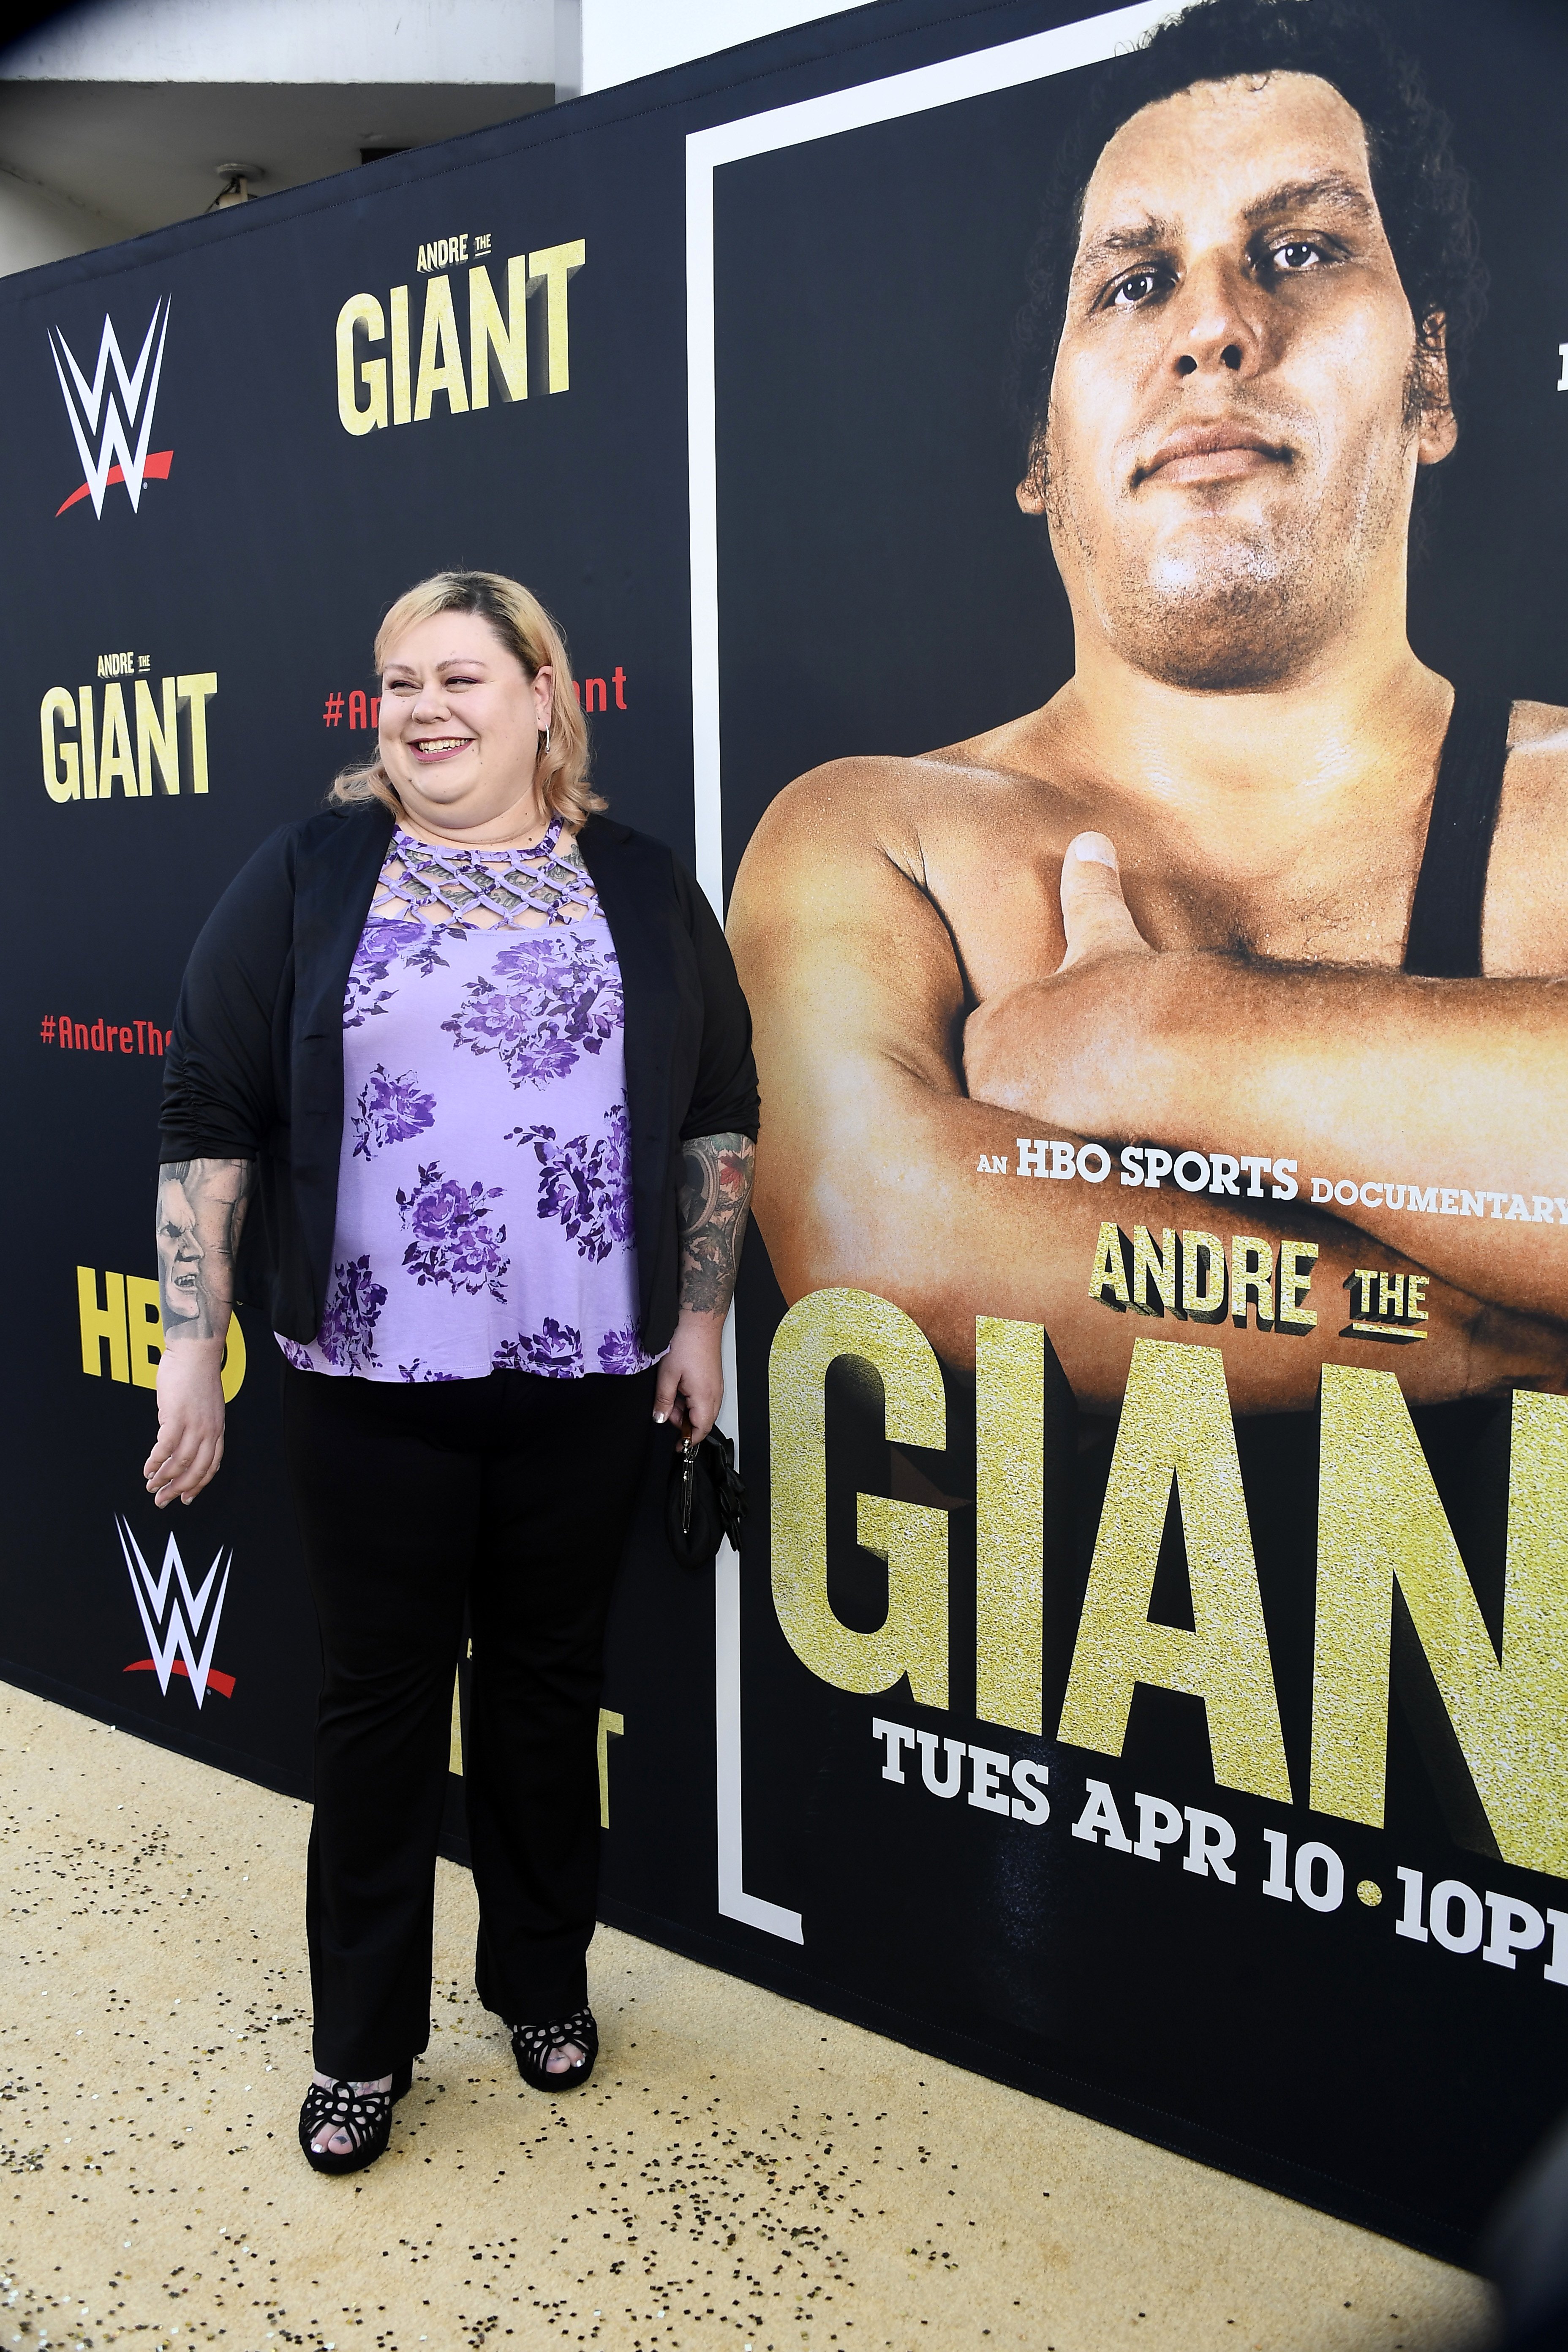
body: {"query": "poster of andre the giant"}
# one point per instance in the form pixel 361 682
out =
pixel 1062 518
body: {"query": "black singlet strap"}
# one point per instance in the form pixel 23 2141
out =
pixel 1444 941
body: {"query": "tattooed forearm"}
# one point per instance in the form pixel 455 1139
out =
pixel 201 1209
pixel 715 1193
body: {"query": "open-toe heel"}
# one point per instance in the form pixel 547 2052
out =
pixel 531 2045
pixel 364 2115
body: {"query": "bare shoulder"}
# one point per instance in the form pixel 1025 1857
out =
pixel 1535 787
pixel 1538 736
pixel 854 799
pixel 1527 886
pixel 868 798
pixel 900 811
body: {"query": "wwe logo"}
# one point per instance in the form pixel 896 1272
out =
pixel 175 1619
pixel 103 425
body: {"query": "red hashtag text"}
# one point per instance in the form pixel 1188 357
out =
pixel 130 1037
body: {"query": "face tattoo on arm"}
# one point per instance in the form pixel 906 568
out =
pixel 714 1196
pixel 201 1211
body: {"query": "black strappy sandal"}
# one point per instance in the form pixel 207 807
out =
pixel 531 2045
pixel 366 2115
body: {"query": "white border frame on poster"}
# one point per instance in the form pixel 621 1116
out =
pixel 981 71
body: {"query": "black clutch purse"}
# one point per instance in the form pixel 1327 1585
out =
pixel 706 1501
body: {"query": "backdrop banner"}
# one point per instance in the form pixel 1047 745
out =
pixel 1145 1677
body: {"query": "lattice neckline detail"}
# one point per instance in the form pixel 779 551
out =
pixel 484 889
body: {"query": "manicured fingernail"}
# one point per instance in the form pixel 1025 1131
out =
pixel 1094 849
pixel 661 1416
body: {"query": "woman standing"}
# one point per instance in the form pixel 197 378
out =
pixel 480 1056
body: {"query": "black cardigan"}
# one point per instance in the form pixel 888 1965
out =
pixel 254 1068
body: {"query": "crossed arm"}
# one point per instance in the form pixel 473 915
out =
pixel 876 1136
pixel 1373 1078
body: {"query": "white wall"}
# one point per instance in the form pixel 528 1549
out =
pixel 440 41
pixel 623 38
pixel 36 225
pixel 586 44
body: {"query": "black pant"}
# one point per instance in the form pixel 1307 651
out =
pixel 512 1495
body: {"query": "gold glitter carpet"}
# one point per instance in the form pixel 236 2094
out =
pixel 741 2173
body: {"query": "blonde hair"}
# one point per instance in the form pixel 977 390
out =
pixel 527 631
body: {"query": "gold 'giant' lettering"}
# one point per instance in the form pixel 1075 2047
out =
pixel 1176 1424
pixel 361 310
pixel 487 333
pixel 115 757
pixel 553 268
pixel 910 1537
pixel 1381 1522
pixel 92 772
pixel 1010 1519
pixel 63 769
pixel 440 355
pixel 398 395
pixel 397 301
pixel 157 738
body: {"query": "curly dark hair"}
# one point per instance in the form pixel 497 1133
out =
pixel 1422 193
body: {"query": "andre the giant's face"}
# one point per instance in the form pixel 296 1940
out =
pixel 180 1252
pixel 1231 448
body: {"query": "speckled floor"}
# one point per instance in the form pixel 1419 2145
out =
pixel 740 2173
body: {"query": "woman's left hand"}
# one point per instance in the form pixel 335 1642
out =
pixel 690 1387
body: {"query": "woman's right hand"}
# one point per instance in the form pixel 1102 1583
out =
pixel 190 1422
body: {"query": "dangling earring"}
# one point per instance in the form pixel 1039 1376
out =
pixel 543 745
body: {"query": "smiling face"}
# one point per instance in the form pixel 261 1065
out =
pixel 1238 405
pixel 460 724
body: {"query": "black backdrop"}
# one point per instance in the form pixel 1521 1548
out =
pixel 878 590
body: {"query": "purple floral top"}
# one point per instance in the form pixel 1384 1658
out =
pixel 484 1195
